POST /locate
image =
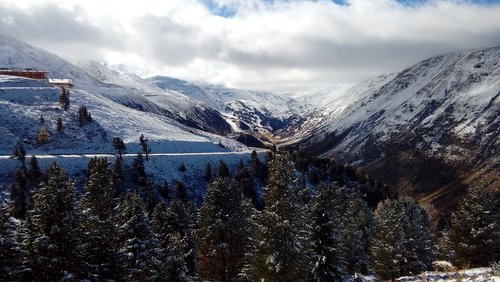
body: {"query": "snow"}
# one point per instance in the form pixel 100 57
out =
pixel 475 274
pixel 121 104
pixel 456 93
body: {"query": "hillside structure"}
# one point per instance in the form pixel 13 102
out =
pixel 39 75
pixel 28 73
pixel 61 82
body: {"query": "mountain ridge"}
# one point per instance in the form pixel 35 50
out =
pixel 431 125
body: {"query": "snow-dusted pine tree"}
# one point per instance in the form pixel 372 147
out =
pixel 475 228
pixel 357 235
pixel 50 248
pixel 138 245
pixel 224 227
pixel 402 244
pixel 281 248
pixel 99 240
pixel 174 226
pixel 326 234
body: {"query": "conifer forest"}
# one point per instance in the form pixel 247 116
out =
pixel 288 218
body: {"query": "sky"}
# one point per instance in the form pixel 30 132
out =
pixel 277 45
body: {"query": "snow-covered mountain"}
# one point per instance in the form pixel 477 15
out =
pixel 433 125
pixel 121 105
pixel 245 110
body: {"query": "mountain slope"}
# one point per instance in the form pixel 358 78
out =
pixel 127 90
pixel 433 126
pixel 118 109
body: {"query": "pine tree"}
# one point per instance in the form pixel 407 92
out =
pixel 207 172
pixel 19 195
pixel 173 225
pixel 119 145
pixel 118 177
pixel 19 153
pixel 164 190
pixel 139 169
pixel 99 252
pixel 256 165
pixel 84 115
pixel 145 146
pixel 358 232
pixel 180 190
pixel 182 167
pixel 10 256
pixel 222 170
pixel 41 120
pixel 34 172
pixel 51 237
pixel 98 198
pixel 326 234
pixel 64 99
pixel 475 228
pixel 281 247
pixel 137 241
pixel 402 244
pixel 245 181
pixel 223 231
pixel 59 125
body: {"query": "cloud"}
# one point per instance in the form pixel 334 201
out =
pixel 278 45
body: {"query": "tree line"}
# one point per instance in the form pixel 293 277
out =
pixel 310 220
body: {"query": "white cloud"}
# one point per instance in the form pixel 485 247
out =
pixel 264 44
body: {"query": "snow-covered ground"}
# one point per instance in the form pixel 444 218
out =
pixel 482 274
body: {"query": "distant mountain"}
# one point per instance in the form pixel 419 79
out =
pixel 246 110
pixel 429 130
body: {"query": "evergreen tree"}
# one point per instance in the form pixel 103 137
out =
pixel 245 181
pixel 19 195
pixel 99 248
pixel 173 226
pixel 84 115
pixel 149 195
pixel 207 172
pixel 51 237
pixel 164 190
pixel 34 172
pixel 119 145
pixel 118 176
pixel 256 164
pixel 326 235
pixel 182 167
pixel 41 120
pixel 137 242
pixel 59 125
pixel 19 153
pixel 139 169
pixel 180 190
pixel 98 198
pixel 10 257
pixel 402 244
pixel 358 232
pixel 281 247
pixel 475 228
pixel 145 146
pixel 64 99
pixel 222 170
pixel 223 231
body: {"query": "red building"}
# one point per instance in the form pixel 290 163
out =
pixel 28 73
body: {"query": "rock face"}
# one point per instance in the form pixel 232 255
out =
pixel 430 129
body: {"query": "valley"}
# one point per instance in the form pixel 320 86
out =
pixel 429 131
